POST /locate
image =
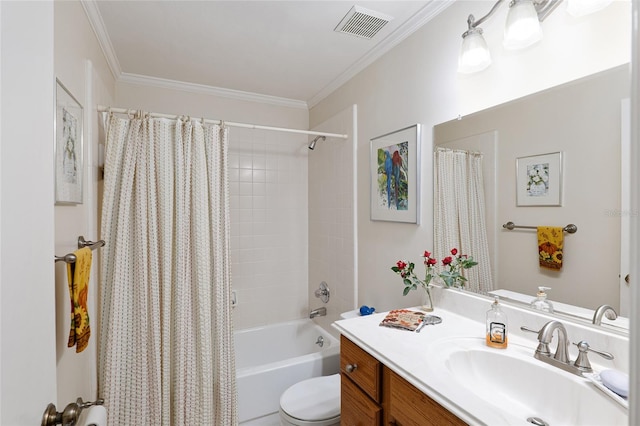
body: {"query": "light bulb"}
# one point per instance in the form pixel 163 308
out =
pixel 474 53
pixel 585 7
pixel 523 27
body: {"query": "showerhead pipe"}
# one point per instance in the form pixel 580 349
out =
pixel 312 144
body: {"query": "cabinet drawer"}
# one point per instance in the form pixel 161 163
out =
pixel 408 406
pixel 357 408
pixel 362 368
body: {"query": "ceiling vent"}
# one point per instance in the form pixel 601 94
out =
pixel 362 22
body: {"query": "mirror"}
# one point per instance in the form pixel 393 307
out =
pixel 582 120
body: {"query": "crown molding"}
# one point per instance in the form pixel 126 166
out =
pixel 163 83
pixel 97 24
pixel 92 11
pixel 427 13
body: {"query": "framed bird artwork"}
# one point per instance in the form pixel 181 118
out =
pixel 395 175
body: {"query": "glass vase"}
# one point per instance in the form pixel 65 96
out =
pixel 428 301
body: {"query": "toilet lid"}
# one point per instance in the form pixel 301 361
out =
pixel 313 399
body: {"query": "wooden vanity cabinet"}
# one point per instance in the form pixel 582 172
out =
pixel 373 395
pixel 360 386
pixel 406 405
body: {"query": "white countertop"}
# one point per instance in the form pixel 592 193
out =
pixel 406 353
pixel 402 352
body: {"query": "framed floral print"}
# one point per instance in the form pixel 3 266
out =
pixel 68 147
pixel 539 180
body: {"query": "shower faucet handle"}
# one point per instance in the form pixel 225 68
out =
pixel 323 292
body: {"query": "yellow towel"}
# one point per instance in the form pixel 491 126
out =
pixel 550 242
pixel 78 277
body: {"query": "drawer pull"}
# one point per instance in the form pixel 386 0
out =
pixel 351 368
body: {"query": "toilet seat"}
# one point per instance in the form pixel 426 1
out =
pixel 314 401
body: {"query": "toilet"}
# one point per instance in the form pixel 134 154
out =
pixel 315 401
pixel 312 402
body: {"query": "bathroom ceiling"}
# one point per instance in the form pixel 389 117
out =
pixel 281 49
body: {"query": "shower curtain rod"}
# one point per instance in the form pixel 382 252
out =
pixel 102 108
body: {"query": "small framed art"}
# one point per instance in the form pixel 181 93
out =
pixel 395 175
pixel 539 180
pixel 68 147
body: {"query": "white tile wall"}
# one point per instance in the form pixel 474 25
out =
pixel 332 253
pixel 269 226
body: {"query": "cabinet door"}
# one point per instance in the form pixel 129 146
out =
pixel 408 406
pixel 362 368
pixel 356 408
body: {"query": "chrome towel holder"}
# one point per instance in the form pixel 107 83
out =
pixel 570 228
pixel 71 258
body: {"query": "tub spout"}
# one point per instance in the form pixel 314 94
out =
pixel 320 312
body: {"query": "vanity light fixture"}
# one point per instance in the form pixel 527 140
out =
pixel 522 28
pixel 585 7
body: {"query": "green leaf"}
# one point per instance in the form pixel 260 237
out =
pixel 406 291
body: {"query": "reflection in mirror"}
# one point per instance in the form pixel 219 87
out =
pixel 581 120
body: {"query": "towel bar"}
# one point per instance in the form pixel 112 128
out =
pixel 570 228
pixel 71 258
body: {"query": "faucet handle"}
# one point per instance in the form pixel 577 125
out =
pixel 582 362
pixel 543 347
pixel 530 330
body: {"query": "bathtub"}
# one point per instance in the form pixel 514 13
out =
pixel 269 359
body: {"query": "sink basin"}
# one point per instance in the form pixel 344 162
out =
pixel 512 381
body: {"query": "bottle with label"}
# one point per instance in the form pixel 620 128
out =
pixel 496 326
pixel 540 302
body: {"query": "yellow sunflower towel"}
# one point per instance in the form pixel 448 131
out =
pixel 550 242
pixel 78 277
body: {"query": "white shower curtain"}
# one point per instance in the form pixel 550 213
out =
pixel 166 341
pixel 460 213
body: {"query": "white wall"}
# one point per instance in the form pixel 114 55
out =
pixel 27 299
pixel 332 227
pixel 268 190
pixel 82 69
pixel 417 82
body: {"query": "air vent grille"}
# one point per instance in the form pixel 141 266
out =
pixel 362 22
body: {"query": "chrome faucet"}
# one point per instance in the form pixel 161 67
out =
pixel 561 357
pixel 320 312
pixel 544 338
pixel 605 310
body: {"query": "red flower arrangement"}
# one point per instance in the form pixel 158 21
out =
pixel 452 275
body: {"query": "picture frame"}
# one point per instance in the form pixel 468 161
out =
pixel 69 141
pixel 539 180
pixel 395 175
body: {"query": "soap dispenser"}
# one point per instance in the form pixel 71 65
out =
pixel 496 326
pixel 540 302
